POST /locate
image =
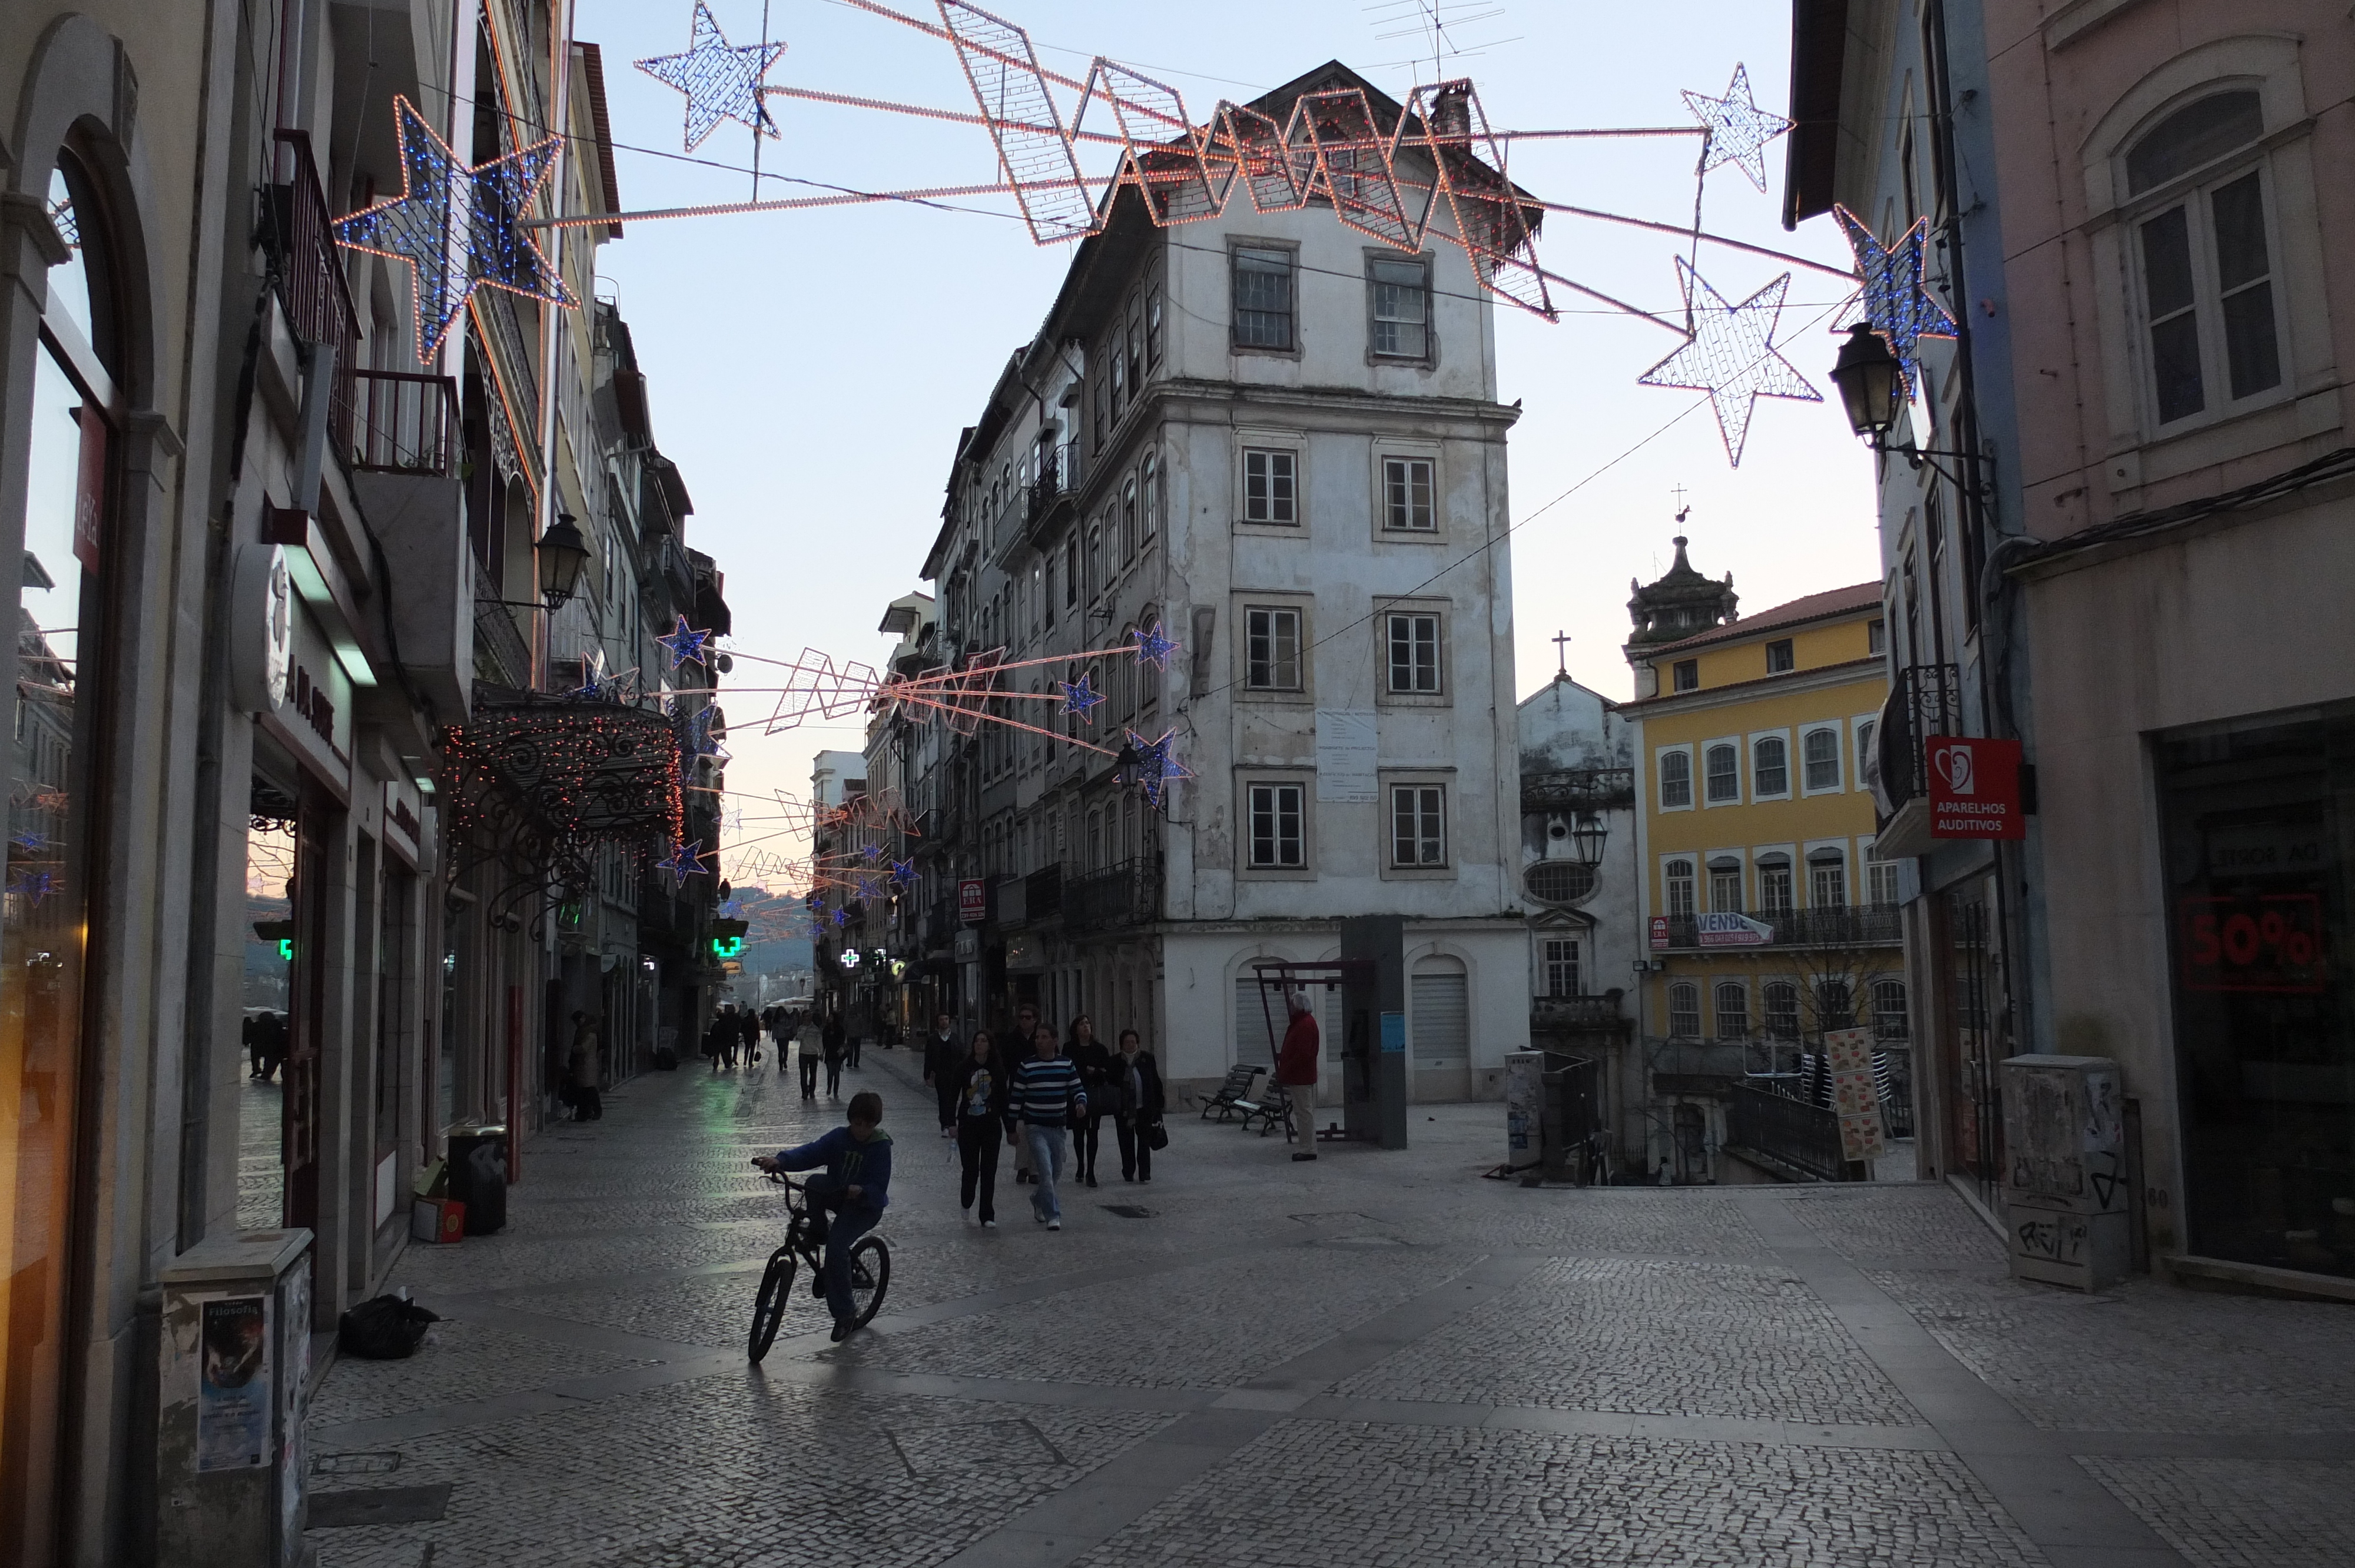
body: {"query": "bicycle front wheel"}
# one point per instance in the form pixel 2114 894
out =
pixel 769 1306
pixel 871 1277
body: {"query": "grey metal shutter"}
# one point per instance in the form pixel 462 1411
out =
pixel 1251 1025
pixel 1442 1020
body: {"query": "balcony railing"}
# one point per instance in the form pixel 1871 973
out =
pixel 402 422
pixel 1926 701
pixel 1128 894
pixel 500 654
pixel 1807 1138
pixel 1569 1012
pixel 1853 925
pixel 1577 789
pixel 311 275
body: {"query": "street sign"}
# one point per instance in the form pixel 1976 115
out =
pixel 1660 932
pixel 973 900
pixel 1975 788
pixel 1722 928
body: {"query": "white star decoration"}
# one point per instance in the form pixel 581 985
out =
pixel 722 81
pixel 1731 356
pixel 1738 129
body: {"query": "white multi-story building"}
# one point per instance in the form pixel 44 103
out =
pixel 1277 440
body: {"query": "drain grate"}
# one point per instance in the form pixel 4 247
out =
pixel 383 1505
pixel 1129 1210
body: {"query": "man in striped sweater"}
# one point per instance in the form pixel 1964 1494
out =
pixel 1045 1098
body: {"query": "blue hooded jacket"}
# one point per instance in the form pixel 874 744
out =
pixel 850 1163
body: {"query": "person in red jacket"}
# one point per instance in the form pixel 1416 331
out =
pixel 1297 1062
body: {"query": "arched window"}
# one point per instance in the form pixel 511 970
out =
pixel 1890 1019
pixel 1684 1010
pixel 2206 256
pixel 1724 775
pixel 1725 884
pixel 1774 897
pixel 1128 515
pixel 1781 999
pixel 1770 767
pixel 1677 878
pixel 1732 1011
pixel 1152 511
pixel 1834 1005
pixel 1821 747
pixel 1095 560
pixel 1676 779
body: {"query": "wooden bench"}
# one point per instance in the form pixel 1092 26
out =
pixel 1234 1094
pixel 1271 1112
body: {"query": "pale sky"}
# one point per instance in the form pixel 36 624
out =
pixel 809 372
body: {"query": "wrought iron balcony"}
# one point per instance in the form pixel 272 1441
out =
pixel 1128 894
pixel 310 274
pixel 402 422
pixel 1577 789
pixel 1577 1013
pixel 1850 925
pixel 501 656
pixel 1927 699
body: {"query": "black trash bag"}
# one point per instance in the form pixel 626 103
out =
pixel 385 1328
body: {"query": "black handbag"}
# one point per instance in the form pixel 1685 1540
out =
pixel 1156 1136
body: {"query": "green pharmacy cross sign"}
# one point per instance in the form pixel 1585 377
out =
pixel 728 939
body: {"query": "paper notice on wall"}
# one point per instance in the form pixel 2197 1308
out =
pixel 1345 755
pixel 1855 1095
pixel 234 1384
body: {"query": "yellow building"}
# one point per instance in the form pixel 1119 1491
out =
pixel 1766 919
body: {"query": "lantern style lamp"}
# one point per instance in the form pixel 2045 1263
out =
pixel 1586 841
pixel 563 554
pixel 1868 377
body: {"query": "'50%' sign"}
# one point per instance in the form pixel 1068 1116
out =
pixel 2270 942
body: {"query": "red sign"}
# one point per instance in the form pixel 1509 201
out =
pixel 1975 788
pixel 1660 932
pixel 973 900
pixel 2263 942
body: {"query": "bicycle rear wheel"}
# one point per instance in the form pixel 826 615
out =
pixel 871 1277
pixel 769 1306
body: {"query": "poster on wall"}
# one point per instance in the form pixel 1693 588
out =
pixel 1345 755
pixel 233 1390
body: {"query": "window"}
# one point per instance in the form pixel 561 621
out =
pixel 1876 638
pixel 1401 306
pixel 1834 1005
pixel 1559 881
pixel 1677 877
pixel 1415 654
pixel 1826 879
pixel 1770 767
pixel 1822 751
pixel 1127 518
pixel 1153 327
pixel 1119 374
pixel 1151 471
pixel 1561 966
pixel 1732 999
pixel 1272 649
pixel 1096 557
pixel 1407 494
pixel 1276 837
pixel 1684 1010
pixel 1072 584
pixel 2207 264
pixel 1262 289
pixel 1865 732
pixel 1683 675
pixel 1890 1021
pixel 1418 825
pixel 1781 1010
pixel 1725 774
pixel 1135 347
pixel 1676 779
pixel 1271 493
pixel 1725 884
pixel 1778 656
pixel 1880 881
pixel 1774 884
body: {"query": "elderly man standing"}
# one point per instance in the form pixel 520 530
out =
pixel 1297 1062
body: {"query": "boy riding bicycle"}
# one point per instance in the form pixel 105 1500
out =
pixel 853 1188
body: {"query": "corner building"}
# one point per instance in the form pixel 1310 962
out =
pixel 1278 440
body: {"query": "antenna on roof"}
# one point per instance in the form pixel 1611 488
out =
pixel 1440 23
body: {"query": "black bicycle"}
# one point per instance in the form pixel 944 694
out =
pixel 870 1271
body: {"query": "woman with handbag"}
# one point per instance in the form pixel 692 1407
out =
pixel 1138 1102
pixel 977 1092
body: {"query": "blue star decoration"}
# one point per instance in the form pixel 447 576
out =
pixel 702 739
pixel 1731 356
pixel 1738 129
pixel 842 916
pixel 903 872
pixel 445 204
pixel 682 862
pixel 1900 309
pixel 685 643
pixel 722 81
pixel 1080 697
pixel 1153 648
pixel 35 885
pixel 1156 764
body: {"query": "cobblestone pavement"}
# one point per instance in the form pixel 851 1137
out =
pixel 1378 1358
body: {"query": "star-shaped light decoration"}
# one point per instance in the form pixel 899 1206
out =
pixel 1080 697
pixel 721 81
pixel 458 227
pixel 842 916
pixel 31 841
pixel 1156 764
pixel 1731 356
pixel 703 733
pixel 35 885
pixel 685 642
pixel 1738 129
pixel 903 872
pixel 683 862
pixel 1900 309
pixel 1153 648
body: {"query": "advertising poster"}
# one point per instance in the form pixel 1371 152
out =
pixel 234 1384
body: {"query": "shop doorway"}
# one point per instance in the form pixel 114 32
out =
pixel 265 1003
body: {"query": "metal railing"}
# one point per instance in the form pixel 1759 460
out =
pixel 403 422
pixel 1804 1137
pixel 1576 1012
pixel 1927 699
pixel 1577 789
pixel 499 648
pixel 1848 926
pixel 1045 490
pixel 311 275
pixel 1128 894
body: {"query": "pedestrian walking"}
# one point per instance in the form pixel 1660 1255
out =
pixel 1093 1058
pixel 731 1036
pixel 1016 1052
pixel 834 1054
pixel 942 1058
pixel 271 1030
pixel 1297 1062
pixel 808 1046
pixel 751 1031
pixel 978 1091
pixel 1139 1104
pixel 1043 1102
pixel 851 1042
pixel 586 1065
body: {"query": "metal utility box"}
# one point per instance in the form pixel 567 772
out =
pixel 1373 1007
pixel 2066 1203
pixel 235 1355
pixel 1525 1109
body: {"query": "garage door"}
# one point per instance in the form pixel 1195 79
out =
pixel 1442 1021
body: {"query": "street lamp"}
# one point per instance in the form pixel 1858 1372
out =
pixel 1868 377
pixel 1586 841
pixel 1125 765
pixel 563 554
